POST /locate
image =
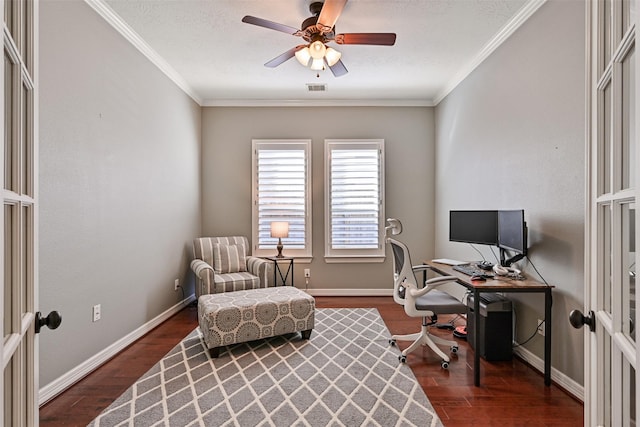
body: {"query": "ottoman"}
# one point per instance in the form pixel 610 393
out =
pixel 241 316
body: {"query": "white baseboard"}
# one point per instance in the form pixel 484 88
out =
pixel 349 292
pixel 572 387
pixel 59 385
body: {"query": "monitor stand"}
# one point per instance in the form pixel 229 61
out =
pixel 506 262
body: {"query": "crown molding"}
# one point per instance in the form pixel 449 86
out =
pixel 130 35
pixel 318 103
pixel 509 28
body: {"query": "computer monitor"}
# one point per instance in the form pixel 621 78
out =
pixel 479 227
pixel 512 235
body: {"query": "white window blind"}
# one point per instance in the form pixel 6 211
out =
pixel 281 193
pixel 354 208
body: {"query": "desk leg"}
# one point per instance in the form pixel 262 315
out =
pixel 547 337
pixel 476 338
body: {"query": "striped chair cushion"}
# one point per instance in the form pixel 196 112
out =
pixel 229 258
pixel 231 282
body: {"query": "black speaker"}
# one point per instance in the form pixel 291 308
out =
pixel 496 327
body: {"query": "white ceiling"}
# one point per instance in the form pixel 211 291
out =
pixel 206 49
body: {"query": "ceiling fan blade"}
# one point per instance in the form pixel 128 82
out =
pixel 283 57
pixel 329 14
pixel 338 69
pixel 382 39
pixel 269 24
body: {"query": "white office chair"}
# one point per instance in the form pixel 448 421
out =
pixel 425 302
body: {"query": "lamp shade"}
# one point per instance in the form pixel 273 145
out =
pixel 332 56
pixel 303 56
pixel 317 49
pixel 317 64
pixel 280 229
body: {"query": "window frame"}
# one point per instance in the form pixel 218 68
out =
pixel 270 250
pixel 354 255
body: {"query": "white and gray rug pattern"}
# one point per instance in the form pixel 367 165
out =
pixel 345 375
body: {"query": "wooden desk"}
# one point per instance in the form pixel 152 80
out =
pixel 501 284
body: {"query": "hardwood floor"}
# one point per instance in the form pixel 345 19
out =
pixel 511 394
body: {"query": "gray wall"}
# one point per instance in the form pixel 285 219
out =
pixel 511 136
pixel 409 154
pixel 119 185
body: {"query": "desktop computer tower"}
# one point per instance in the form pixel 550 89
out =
pixel 495 322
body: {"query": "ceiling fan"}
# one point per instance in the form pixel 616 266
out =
pixel 317 31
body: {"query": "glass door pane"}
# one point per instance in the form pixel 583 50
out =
pixel 605 257
pixel 605 34
pixel 8 393
pixel 8 14
pixel 604 139
pixel 627 274
pixel 9 313
pixel 26 142
pixel 628 394
pixel 628 14
pixel 628 122
pixel 605 388
pixel 8 121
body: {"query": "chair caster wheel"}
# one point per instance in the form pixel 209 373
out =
pixel 454 349
pixel 445 364
pixel 392 342
pixel 402 359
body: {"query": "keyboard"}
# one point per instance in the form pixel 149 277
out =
pixel 471 270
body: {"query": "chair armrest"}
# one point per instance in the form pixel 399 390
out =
pixel 199 266
pixel 260 267
pixel 420 267
pixel 431 284
pixel 204 277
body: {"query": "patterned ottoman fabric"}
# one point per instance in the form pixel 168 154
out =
pixel 241 316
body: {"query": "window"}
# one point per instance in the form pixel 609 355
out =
pixel 281 180
pixel 354 199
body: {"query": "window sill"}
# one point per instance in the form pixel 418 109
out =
pixel 353 259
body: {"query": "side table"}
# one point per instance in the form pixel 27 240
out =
pixel 279 265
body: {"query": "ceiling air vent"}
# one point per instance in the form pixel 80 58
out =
pixel 317 87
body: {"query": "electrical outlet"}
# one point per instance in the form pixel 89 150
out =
pixel 96 312
pixel 541 327
pixel 307 272
pixel 176 284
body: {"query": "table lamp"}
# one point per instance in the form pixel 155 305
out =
pixel 279 229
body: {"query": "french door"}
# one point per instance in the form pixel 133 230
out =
pixel 611 352
pixel 19 214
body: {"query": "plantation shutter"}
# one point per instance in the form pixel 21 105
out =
pixel 282 193
pixel 355 197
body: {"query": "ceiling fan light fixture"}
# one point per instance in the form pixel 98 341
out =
pixel 303 56
pixel 317 64
pixel 317 49
pixel 332 56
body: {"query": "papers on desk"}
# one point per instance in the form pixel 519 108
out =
pixel 449 261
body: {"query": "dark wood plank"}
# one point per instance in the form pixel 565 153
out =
pixel 512 393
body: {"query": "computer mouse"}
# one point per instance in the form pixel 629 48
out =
pixel 480 278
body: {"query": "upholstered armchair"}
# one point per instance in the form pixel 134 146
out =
pixel 225 264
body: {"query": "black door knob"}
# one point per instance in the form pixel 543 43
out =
pixel 578 320
pixel 52 321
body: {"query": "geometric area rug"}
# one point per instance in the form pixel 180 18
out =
pixel 347 374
